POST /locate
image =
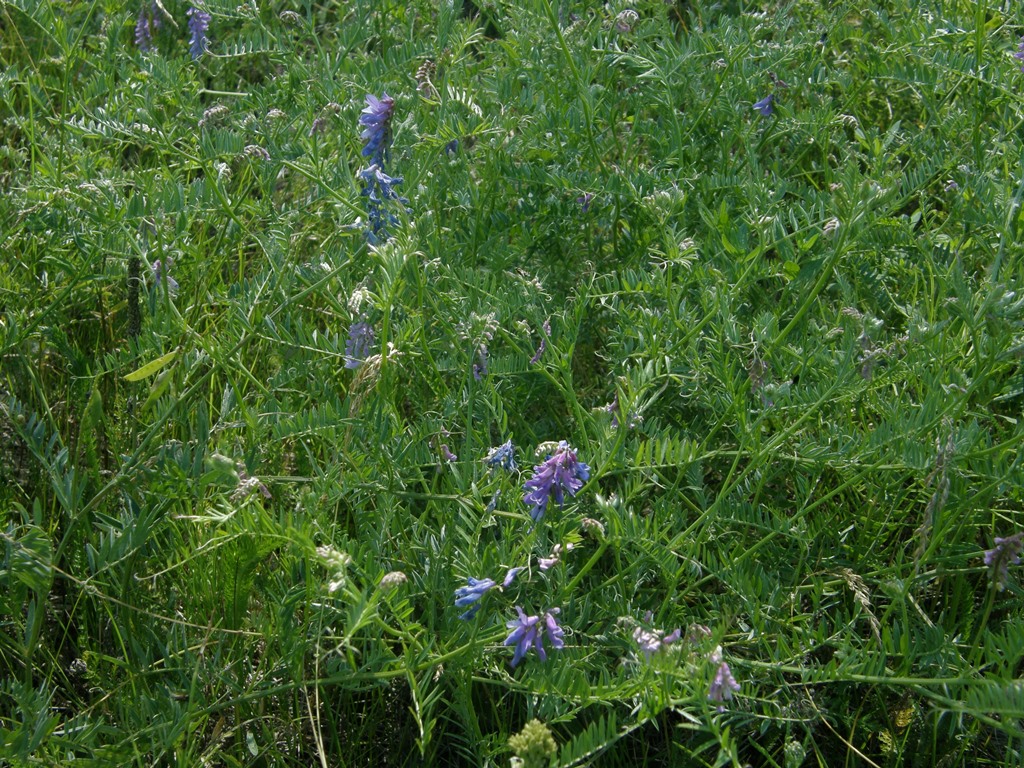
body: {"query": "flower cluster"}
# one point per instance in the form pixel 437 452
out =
pixel 529 631
pixel 146 24
pixel 562 472
pixel 765 105
pixel 360 340
pixel 198 24
pixel 1005 553
pixel 379 188
pixel 653 640
pixel 1019 55
pixel 376 122
pixel 469 596
pixel 503 456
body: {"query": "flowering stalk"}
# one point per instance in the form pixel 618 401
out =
pixel 562 472
pixel 198 24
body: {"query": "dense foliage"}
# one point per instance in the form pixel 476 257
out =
pixel 401 383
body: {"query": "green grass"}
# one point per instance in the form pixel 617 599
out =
pixel 812 336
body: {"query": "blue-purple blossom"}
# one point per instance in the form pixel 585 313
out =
pixel 144 31
pixel 451 147
pixel 510 576
pixel 376 122
pixel 1019 55
pixel 562 472
pixel 446 452
pixel 360 341
pixel 469 596
pixel 503 456
pixel 480 366
pixel 764 106
pixel 1005 553
pixel 379 188
pixel 529 631
pixel 160 272
pixel 584 201
pixel 723 685
pixel 653 640
pixel 198 24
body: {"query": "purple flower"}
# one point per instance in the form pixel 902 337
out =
pixel 480 366
pixel 503 456
pixel 160 271
pixel 510 577
pixel 1019 55
pixel 144 31
pixel 379 188
pixel 447 453
pixel 451 147
pixel 584 201
pixel 529 631
pixel 1005 553
pixel 198 23
pixel 764 106
pixel 951 186
pixel 376 122
pixel 559 474
pixel 653 640
pixel 360 340
pixel 469 596
pixel 723 685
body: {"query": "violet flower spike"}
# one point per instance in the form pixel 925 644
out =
pixel 764 106
pixel 198 24
pixel 376 121
pixel 503 456
pixel 511 576
pixel 724 684
pixel 1019 55
pixel 360 340
pixel 529 631
pixel 469 596
pixel 144 31
pixel 562 472
pixel 1006 552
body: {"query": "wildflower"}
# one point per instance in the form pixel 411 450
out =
pixel 376 119
pixel 275 114
pixel 552 560
pixel 392 580
pixel 256 151
pixel 160 271
pixel 510 576
pixel 624 21
pixel 543 343
pixel 480 366
pixel 560 473
pixel 503 456
pixel 653 640
pixel 764 106
pixel 451 147
pixel 469 596
pixel 1005 553
pixel 360 340
pixel 248 485
pixel 592 526
pixel 951 186
pixel 830 227
pixel 584 201
pixel 198 24
pixel 379 188
pixel 447 454
pixel 1019 55
pixel 723 685
pixel 144 31
pixel 529 631
pixel 534 745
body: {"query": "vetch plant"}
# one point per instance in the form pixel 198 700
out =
pixel 560 473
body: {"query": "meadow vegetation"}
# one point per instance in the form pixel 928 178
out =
pixel 395 383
